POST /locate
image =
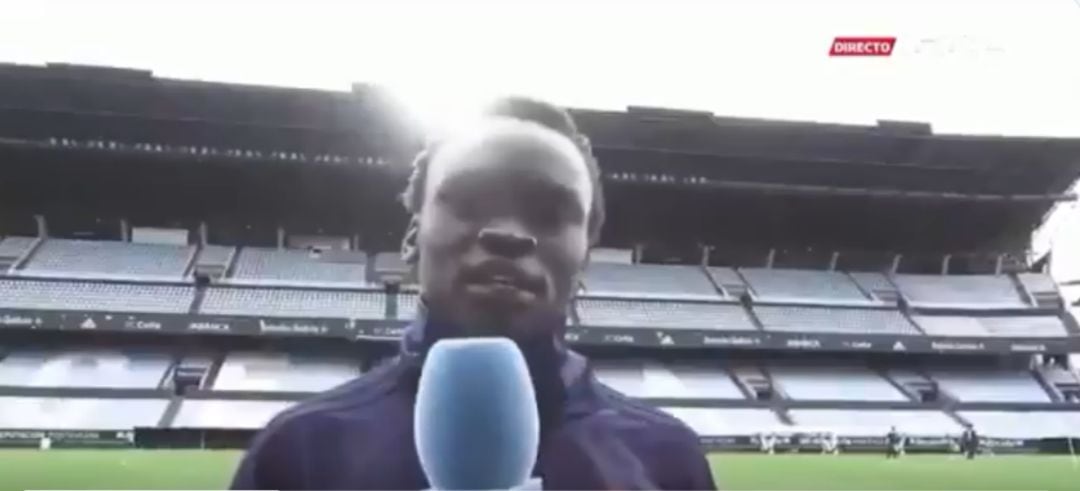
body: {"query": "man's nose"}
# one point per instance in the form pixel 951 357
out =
pixel 507 241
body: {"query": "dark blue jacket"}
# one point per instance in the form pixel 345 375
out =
pixel 360 435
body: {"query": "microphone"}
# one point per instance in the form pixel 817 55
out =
pixel 476 422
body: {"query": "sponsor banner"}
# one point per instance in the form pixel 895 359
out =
pixel 67 438
pixel 386 330
pixel 379 330
pixel 177 323
pixel 27 319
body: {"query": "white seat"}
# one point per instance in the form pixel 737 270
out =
pixel 804 286
pixel 57 413
pixel 833 319
pixel 849 383
pixel 296 267
pixel 662 314
pixel 107 259
pixel 988 385
pixel 671 381
pixel 967 291
pixel 1025 424
pixel 212 413
pixel 280 372
pixel 723 422
pixel 294 303
pixel 84 368
pixel 678 282
pixel 94 296
pixel 875 422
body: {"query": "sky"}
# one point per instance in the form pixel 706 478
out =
pixel 965 66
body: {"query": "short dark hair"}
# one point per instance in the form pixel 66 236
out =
pixel 531 110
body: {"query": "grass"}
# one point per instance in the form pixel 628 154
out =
pixel 194 469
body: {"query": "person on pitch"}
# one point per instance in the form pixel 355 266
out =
pixel 969 441
pixel 503 217
pixel 894 442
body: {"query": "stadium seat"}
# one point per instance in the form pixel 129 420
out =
pixel 662 314
pixel 822 382
pixel 100 259
pixel 833 320
pixel 295 267
pixel 215 255
pixel 94 296
pixel 721 422
pixel 968 291
pixel 58 413
pixel 984 384
pixel 996 326
pixel 673 381
pixel 12 248
pixel 231 414
pixel 805 286
pixel 875 422
pixel 282 372
pixel 1025 424
pixel 281 302
pixel 648 281
pixel 84 368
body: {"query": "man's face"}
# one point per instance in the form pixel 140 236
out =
pixel 503 228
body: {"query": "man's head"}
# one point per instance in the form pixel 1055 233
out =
pixel 503 218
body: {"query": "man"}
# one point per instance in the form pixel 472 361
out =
pixel 969 441
pixel 830 443
pixel 894 443
pixel 768 443
pixel 503 216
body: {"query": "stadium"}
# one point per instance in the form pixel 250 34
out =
pixel 181 260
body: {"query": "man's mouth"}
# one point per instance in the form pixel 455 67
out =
pixel 503 284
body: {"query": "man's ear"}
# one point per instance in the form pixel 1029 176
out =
pixel 410 253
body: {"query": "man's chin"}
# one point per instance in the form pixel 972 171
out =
pixel 515 323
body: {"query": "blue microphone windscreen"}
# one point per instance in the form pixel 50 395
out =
pixel 476 421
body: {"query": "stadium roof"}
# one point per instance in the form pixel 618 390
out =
pixel 839 179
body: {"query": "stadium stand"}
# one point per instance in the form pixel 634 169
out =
pixel 678 381
pixel 216 413
pixel 279 302
pixel 718 422
pixel 281 372
pixel 101 259
pixel 988 385
pixel 111 369
pixel 296 268
pixel 95 296
pixel 648 281
pixel 840 383
pixel 878 285
pixel 729 281
pixel 1042 288
pixel 875 422
pixel 833 320
pixel 12 249
pixel 1025 424
pixel 264 168
pixel 667 315
pixel 1002 326
pixel 406 306
pixel 960 291
pixel 804 286
pixel 59 413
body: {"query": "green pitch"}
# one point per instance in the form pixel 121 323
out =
pixel 168 469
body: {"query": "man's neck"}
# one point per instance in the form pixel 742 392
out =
pixel 544 354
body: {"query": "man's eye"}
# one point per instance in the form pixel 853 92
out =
pixel 467 208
